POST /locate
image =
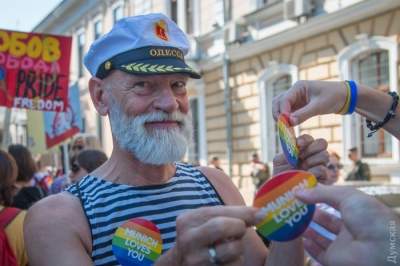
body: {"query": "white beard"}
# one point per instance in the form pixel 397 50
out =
pixel 158 146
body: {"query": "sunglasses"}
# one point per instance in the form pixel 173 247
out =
pixel 334 167
pixel 77 147
pixel 75 167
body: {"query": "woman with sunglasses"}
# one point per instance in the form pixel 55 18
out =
pixel 86 162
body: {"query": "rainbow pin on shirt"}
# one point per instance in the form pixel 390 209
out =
pixel 288 140
pixel 285 217
pixel 137 242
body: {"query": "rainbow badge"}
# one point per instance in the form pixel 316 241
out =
pixel 288 140
pixel 137 242
pixel 285 217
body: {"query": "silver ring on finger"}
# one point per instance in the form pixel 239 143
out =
pixel 212 255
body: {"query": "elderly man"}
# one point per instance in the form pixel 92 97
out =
pixel 139 81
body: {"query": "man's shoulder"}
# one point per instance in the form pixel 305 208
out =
pixel 223 184
pixel 60 205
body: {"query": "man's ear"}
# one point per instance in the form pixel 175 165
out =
pixel 98 95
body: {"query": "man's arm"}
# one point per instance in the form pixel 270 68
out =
pixel 56 232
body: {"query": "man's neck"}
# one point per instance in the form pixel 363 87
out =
pixel 124 168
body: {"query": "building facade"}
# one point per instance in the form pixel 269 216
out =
pixel 264 46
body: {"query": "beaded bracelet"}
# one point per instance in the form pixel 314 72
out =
pixel 374 127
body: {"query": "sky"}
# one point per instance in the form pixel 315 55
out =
pixel 24 15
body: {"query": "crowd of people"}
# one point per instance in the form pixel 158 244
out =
pixel 22 184
pixel 200 214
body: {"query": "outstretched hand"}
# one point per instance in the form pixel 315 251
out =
pixel 306 99
pixel 363 232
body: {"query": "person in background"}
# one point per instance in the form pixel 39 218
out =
pixel 360 171
pixel 215 163
pixel 80 165
pixel 83 141
pixel 12 218
pixel 86 162
pixel 27 193
pixel 259 171
pixel 334 167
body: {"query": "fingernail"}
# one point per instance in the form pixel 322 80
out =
pixel 301 142
pixel 294 120
pixel 259 217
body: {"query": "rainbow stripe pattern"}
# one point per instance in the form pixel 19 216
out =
pixel 288 140
pixel 137 242
pixel 285 217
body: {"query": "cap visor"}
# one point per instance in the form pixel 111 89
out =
pixel 158 66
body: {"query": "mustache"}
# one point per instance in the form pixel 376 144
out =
pixel 159 116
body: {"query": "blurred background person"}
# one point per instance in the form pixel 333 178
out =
pixel 216 163
pixel 27 192
pixel 86 162
pixel 259 171
pixel 81 164
pixel 11 219
pixel 83 141
pixel 360 171
pixel 334 166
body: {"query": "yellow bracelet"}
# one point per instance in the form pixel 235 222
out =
pixel 345 107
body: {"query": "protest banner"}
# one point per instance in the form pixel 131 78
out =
pixel 34 70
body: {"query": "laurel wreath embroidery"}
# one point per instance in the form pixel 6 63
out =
pixel 140 67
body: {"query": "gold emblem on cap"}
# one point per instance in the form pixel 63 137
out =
pixel 161 30
pixel 107 65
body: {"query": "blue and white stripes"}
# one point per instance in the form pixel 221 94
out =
pixel 108 205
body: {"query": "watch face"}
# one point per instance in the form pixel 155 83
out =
pixel 285 217
pixel 288 140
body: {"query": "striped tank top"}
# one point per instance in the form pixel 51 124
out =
pixel 108 205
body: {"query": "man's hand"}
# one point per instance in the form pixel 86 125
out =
pixel 220 227
pixel 313 157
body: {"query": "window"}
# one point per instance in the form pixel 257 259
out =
pixel 174 10
pixel 372 69
pixel 98 29
pixel 373 61
pixel 279 85
pixel 142 7
pixel 81 47
pixel 117 14
pixel 276 79
pixel 194 148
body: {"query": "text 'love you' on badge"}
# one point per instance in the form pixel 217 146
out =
pixel 285 217
pixel 137 242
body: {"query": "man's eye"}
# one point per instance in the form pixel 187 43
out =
pixel 142 87
pixel 179 87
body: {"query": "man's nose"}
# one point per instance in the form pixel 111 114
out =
pixel 166 101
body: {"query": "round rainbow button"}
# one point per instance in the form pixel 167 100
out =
pixel 285 217
pixel 137 242
pixel 288 140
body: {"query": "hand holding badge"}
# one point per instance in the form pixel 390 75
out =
pixel 285 217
